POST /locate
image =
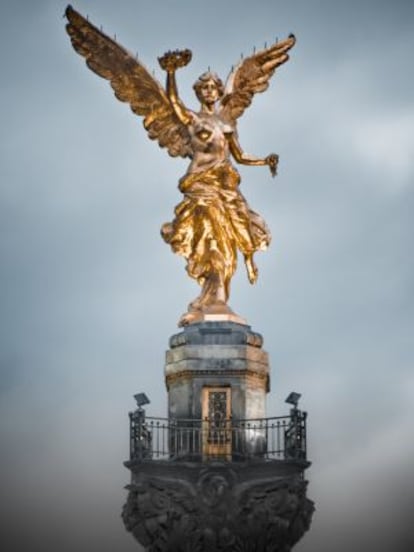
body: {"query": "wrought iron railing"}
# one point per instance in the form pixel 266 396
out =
pixel 283 437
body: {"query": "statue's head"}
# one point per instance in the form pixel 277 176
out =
pixel 207 81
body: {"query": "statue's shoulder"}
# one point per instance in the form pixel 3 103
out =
pixel 227 127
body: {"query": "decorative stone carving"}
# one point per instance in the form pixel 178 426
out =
pixel 224 507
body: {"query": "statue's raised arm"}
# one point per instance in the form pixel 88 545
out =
pixel 213 221
pixel 170 62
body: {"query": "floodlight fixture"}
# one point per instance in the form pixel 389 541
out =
pixel 141 399
pixel 293 398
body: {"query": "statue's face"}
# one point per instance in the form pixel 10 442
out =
pixel 208 92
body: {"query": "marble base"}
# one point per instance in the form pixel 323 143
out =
pixel 212 313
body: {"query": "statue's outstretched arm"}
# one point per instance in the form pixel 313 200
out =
pixel 246 159
pixel 170 62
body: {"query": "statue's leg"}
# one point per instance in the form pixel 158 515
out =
pixel 212 295
pixel 213 292
pixel 252 270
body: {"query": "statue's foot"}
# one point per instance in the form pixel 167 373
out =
pixel 189 318
pixel 199 310
pixel 195 305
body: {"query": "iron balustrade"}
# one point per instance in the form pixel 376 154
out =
pixel 282 437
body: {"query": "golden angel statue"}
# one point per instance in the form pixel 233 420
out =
pixel 213 221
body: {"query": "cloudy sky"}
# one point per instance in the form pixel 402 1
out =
pixel 90 293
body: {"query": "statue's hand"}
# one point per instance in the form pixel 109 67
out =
pixel 171 61
pixel 272 160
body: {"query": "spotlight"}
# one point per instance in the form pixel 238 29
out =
pixel 141 399
pixel 293 398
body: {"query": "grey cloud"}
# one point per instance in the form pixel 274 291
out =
pixel 90 293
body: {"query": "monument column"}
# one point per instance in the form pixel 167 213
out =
pixel 217 474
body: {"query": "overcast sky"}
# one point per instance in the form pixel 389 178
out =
pixel 90 293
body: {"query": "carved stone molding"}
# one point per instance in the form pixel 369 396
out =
pixel 226 507
pixel 260 379
pixel 217 333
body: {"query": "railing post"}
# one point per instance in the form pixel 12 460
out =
pixel 131 437
pixel 140 436
pixel 295 435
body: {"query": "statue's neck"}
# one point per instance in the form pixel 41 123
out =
pixel 208 109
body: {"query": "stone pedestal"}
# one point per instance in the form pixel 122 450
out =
pixel 217 475
pixel 224 358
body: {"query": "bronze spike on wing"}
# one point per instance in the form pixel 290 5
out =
pixel 131 82
pixel 252 75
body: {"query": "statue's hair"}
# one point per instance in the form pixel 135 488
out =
pixel 206 77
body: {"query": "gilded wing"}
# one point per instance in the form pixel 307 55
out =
pixel 131 82
pixel 252 75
